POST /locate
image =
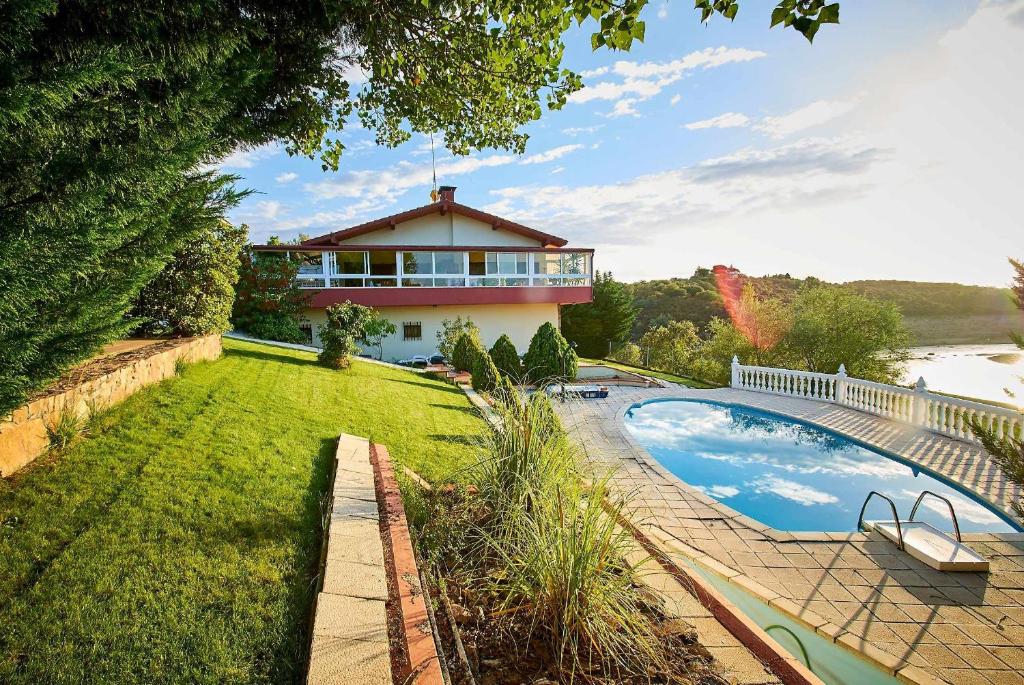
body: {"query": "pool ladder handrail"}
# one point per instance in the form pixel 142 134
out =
pixel 956 524
pixel 895 516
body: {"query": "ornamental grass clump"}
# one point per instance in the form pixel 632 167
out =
pixel 551 553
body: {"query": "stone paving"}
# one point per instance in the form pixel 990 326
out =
pixel 854 588
pixel 350 635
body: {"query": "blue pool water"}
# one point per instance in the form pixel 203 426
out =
pixel 789 475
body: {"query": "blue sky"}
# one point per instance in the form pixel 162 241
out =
pixel 882 151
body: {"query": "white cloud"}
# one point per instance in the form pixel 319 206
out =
pixel 269 209
pixel 643 80
pixel 286 177
pixel 663 11
pixel 550 155
pixel 558 170
pixel 675 100
pixel 624 107
pixel 727 120
pixel 814 114
pixel 246 159
pixel 791 490
pixel 580 130
pixel 719 491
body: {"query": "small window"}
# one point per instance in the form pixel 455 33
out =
pixel 412 330
pixel 307 331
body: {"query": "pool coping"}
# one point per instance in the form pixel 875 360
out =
pixel 806 536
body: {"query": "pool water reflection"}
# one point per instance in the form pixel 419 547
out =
pixel 789 475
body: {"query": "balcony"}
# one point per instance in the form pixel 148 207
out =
pixel 383 277
pixel 442 269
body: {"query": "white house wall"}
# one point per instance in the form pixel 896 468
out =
pixel 519 321
pixel 442 229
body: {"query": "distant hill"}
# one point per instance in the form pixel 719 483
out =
pixel 936 313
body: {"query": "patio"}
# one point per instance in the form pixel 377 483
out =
pixel 854 588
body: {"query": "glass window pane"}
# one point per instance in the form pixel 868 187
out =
pixel 522 262
pixel 513 281
pixel 572 263
pixel 492 262
pixel 448 262
pixel 449 282
pixel 310 262
pixel 382 263
pixel 506 262
pixel 417 282
pixel 381 282
pixel 544 263
pixel 477 264
pixel 349 262
pixel 346 283
pixel 417 262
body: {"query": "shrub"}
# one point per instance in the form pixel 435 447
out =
pixel 485 374
pixel 550 356
pixel 464 352
pixel 63 431
pixel 506 358
pixel 629 354
pixel 339 334
pixel 451 331
pixel 268 301
pixel 671 347
pixel 195 292
pixel 375 330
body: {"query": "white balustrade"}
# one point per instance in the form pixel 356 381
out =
pixel 938 413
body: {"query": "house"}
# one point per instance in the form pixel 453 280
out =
pixel 438 262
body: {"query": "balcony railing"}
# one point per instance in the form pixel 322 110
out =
pixel 448 269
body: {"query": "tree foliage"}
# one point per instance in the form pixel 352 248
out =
pixel 550 356
pixel 109 111
pixel 506 358
pixel 195 292
pixel 449 334
pixel 268 301
pixel 604 323
pixel 464 352
pixel 486 376
pixel 671 347
pixel 338 335
pixel 376 329
pixel 832 326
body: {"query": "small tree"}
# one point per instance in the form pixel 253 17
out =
pixel 375 330
pixel 463 353
pixel 550 356
pixel 605 322
pixel 671 347
pixel 486 377
pixel 268 301
pixel 629 354
pixel 506 358
pixel 195 292
pixel 451 331
pixel 344 326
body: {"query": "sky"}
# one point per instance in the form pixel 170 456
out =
pixel 890 148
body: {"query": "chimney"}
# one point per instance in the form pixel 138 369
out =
pixel 447 193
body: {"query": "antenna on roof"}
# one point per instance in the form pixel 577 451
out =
pixel 433 168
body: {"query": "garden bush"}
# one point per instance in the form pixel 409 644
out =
pixel 464 352
pixel 485 374
pixel 451 331
pixel 550 357
pixel 269 304
pixel 506 358
pixel 195 292
pixel 339 334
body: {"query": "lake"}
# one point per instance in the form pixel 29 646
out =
pixel 981 371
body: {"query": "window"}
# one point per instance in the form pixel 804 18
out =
pixel 419 269
pixel 307 331
pixel 383 263
pixel 311 269
pixel 412 330
pixel 349 263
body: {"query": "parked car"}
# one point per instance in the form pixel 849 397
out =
pixel 419 361
pixel 438 359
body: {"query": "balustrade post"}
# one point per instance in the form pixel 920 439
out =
pixel 735 372
pixel 840 387
pixel 919 415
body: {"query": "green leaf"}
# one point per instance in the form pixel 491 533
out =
pixel 779 15
pixel 596 41
pixel 829 14
pixel 639 29
pixel 730 11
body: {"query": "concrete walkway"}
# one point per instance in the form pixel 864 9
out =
pixel 856 589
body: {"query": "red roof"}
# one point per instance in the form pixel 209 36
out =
pixel 496 222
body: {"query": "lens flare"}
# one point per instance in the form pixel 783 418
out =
pixel 760 322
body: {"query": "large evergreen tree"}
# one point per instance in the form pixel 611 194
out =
pixel 605 322
pixel 109 111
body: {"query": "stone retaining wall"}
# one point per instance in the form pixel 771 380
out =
pixel 92 387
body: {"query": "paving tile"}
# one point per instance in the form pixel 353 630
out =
pixel 350 617
pixel 345 661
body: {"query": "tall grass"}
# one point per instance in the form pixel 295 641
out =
pixel 556 555
pixel 63 430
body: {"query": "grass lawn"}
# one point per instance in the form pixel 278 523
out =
pixel 179 541
pixel 681 380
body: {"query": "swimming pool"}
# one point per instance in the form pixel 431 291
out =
pixel 790 475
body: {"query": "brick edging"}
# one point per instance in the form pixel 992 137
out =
pixel 785 666
pixel 414 657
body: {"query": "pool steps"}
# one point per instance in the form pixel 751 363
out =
pixel 923 541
